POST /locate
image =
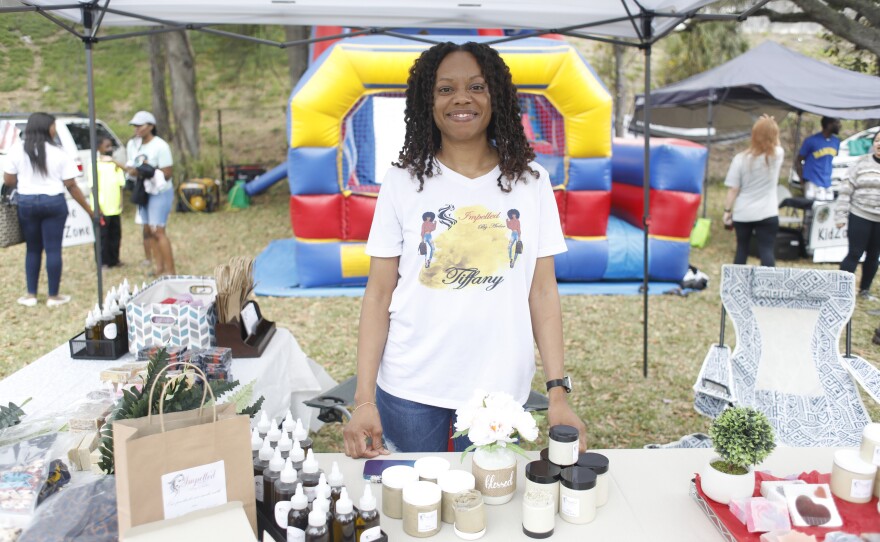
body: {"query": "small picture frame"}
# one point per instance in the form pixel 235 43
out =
pixel 250 318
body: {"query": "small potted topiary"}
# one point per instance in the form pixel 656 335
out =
pixel 743 438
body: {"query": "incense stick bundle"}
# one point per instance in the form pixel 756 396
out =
pixel 235 283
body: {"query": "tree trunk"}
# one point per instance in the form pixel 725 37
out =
pixel 619 90
pixel 159 92
pixel 298 55
pixel 182 69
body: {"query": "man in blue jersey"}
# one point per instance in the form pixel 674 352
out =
pixel 813 163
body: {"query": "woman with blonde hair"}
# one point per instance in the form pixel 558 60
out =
pixel 751 203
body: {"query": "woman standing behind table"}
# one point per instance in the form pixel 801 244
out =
pixel 859 196
pixel 41 171
pixel 751 205
pixel 429 336
pixel 146 147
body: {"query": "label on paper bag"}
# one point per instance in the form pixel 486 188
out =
pixel 295 535
pixel 194 489
pixel 258 488
pixel 570 506
pixel 281 510
pixel 861 489
pixel 427 521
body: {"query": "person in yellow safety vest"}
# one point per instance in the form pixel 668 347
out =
pixel 111 181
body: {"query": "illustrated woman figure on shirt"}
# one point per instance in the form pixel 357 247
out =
pixel 513 226
pixel 428 340
pixel 428 226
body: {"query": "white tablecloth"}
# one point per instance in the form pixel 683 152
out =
pixel 284 375
pixel 648 496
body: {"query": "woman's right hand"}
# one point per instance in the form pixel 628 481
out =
pixel 363 433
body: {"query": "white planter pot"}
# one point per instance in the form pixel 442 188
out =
pixel 495 474
pixel 722 487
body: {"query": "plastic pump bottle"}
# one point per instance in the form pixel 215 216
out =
pixel 310 475
pixel 261 463
pixel 317 531
pixel 298 517
pixel 270 476
pixel 301 435
pixel 344 519
pixel 368 516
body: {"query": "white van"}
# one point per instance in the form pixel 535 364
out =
pixel 73 137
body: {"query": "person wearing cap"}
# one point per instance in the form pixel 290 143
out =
pixel 146 147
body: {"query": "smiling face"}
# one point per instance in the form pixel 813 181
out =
pixel 462 105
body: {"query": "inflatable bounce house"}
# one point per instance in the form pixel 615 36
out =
pixel 345 126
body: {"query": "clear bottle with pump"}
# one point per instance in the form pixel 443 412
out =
pixel 317 531
pixel 298 517
pixel 271 475
pixel 263 425
pixel 301 435
pixel 256 444
pixel 261 463
pixel 285 444
pixel 368 516
pixel 337 485
pixel 285 488
pixel 297 456
pixel 274 433
pixel 310 475
pixel 344 519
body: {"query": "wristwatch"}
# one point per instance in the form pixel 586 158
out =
pixel 565 382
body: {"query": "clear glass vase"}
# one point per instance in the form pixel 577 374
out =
pixel 495 474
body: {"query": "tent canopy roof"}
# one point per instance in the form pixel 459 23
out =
pixel 609 17
pixel 766 79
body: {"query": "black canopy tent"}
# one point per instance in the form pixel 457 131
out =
pixel 634 23
pixel 769 78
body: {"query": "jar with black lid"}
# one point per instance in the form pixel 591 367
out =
pixel 598 463
pixel 563 445
pixel 577 495
pixel 544 476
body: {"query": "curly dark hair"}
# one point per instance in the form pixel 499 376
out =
pixel 505 131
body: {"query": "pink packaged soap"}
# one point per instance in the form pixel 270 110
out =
pixel 764 515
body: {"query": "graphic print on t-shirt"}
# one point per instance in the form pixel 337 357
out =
pixel 472 251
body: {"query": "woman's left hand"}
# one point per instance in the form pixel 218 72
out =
pixel 560 413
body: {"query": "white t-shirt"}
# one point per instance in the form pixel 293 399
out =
pixel 460 315
pixel 156 153
pixel 757 181
pixel 59 168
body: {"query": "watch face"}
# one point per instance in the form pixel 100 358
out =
pixel 566 383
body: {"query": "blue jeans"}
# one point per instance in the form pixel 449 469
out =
pixel 42 221
pixel 158 208
pixel 409 427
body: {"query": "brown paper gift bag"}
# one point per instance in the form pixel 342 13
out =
pixel 148 448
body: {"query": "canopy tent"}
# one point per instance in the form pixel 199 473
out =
pixel 638 23
pixel 766 79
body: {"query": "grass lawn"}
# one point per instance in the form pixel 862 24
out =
pixel 603 334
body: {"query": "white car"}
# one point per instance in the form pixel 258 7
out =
pixel 850 151
pixel 73 137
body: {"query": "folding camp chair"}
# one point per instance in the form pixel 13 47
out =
pixel 333 405
pixel 787 363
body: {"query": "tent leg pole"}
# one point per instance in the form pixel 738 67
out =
pixel 708 156
pixel 93 143
pixel 646 200
pixel 797 145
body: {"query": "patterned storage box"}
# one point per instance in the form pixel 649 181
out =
pixel 152 322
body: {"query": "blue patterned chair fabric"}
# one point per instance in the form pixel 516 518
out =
pixel 830 412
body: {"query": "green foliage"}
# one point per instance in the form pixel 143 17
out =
pixel 850 56
pixel 698 48
pixel 180 396
pixel 11 415
pixel 742 436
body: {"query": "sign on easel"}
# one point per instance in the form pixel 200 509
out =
pixel 78 228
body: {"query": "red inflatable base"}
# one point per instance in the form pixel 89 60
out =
pixel 332 216
pixel 672 213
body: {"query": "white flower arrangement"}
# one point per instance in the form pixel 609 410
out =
pixel 494 420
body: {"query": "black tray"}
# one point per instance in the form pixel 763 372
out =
pixel 82 348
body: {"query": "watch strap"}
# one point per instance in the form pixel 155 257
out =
pixel 557 383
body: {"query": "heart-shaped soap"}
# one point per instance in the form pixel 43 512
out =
pixel 820 492
pixel 813 513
